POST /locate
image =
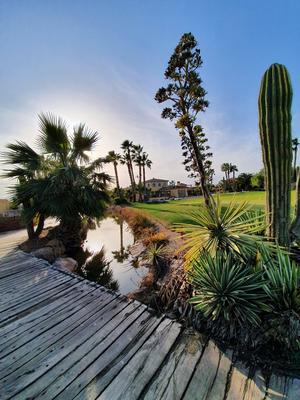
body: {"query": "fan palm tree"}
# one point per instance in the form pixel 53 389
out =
pixel 127 147
pixel 114 158
pixel 74 187
pixel 28 165
pixel 233 169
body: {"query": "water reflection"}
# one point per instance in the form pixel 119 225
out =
pixel 105 256
pixel 96 268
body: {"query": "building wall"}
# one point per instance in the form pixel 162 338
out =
pixel 4 205
pixel 156 185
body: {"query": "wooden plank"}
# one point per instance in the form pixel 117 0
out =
pixel 278 388
pixel 132 379
pixel 43 326
pixel 37 278
pixel 63 373
pixel 41 343
pixel 205 374
pixel 16 383
pixel 218 388
pixel 239 382
pixel 37 283
pixel 40 316
pixel 171 380
pixel 14 259
pixel 92 382
pixel 256 387
pixel 39 301
pixel 18 267
pixel 17 257
pixel 34 292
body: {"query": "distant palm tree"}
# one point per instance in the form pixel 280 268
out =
pixel 114 158
pixel 225 167
pixel 137 158
pixel 127 147
pixel 295 143
pixel 146 163
pixel 233 169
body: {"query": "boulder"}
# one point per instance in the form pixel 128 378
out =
pixel 57 246
pixel 67 263
pixel 46 253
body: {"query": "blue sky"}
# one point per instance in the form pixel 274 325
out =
pixel 101 62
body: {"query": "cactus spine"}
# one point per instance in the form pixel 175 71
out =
pixel 274 104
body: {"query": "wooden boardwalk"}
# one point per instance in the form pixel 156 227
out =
pixel 62 337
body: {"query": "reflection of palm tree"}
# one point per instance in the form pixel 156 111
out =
pixel 97 269
pixel 120 255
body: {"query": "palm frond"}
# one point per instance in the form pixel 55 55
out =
pixel 83 140
pixel 53 137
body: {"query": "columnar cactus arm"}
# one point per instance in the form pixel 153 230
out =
pixel 274 105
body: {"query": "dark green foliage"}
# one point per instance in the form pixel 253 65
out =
pixel 227 291
pixel 97 269
pixel 187 98
pixel 275 100
pixel 60 182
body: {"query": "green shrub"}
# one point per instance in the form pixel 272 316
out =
pixel 227 291
pixel 233 229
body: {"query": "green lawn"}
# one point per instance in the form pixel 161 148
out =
pixel 174 210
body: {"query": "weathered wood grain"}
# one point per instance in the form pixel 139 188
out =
pixel 132 379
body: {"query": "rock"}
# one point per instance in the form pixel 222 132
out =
pixel 46 253
pixel 137 249
pixel 57 246
pixel 67 263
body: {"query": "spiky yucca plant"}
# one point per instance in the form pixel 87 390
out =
pixel 156 254
pixel 226 290
pixel 233 229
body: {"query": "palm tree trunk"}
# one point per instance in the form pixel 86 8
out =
pixel 132 181
pixel 140 182
pixel 117 178
pixel 40 226
pixel 144 181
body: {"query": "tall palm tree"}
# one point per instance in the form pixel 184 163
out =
pixel 127 147
pixel 114 158
pixel 74 187
pixel 233 169
pixel 295 144
pixel 137 158
pixel 225 167
pixel 146 163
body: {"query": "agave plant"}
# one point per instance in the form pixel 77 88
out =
pixel 233 229
pixel 282 281
pixel 156 255
pixel 227 290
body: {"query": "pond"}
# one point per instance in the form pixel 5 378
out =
pixel 105 258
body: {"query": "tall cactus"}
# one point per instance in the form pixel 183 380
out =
pixel 275 99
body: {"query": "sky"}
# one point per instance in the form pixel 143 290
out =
pixel 101 62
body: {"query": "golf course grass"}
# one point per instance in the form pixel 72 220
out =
pixel 174 211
